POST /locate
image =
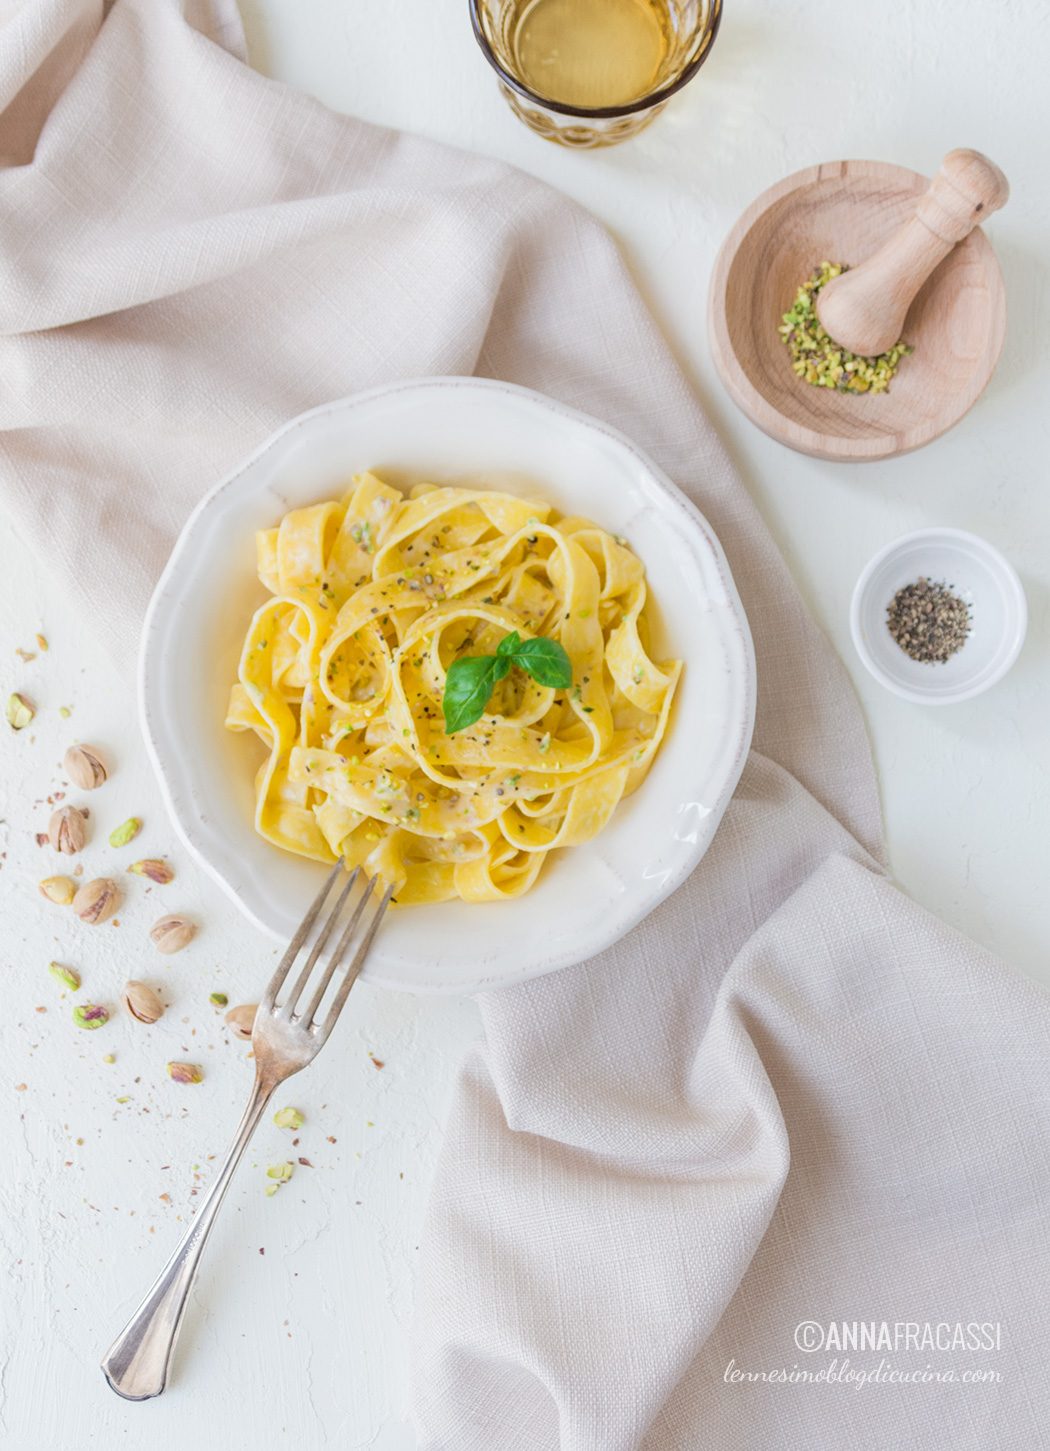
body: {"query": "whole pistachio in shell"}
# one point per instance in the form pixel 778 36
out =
pixel 85 767
pixel 67 830
pixel 142 1002
pixel 172 933
pixel 96 900
pixel 242 1019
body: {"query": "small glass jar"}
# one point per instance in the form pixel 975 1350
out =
pixel 689 28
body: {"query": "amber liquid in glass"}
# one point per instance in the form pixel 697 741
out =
pixel 590 53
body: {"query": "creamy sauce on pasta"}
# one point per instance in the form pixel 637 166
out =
pixel 343 670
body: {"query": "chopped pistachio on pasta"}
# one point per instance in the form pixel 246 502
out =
pixel 342 677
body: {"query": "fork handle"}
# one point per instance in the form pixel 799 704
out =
pixel 137 1363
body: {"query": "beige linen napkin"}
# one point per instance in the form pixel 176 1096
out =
pixel 790 1095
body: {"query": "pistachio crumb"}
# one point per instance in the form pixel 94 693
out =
pixel 817 359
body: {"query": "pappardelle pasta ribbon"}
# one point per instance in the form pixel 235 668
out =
pixel 343 671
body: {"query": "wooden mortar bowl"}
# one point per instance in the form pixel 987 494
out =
pixel 841 212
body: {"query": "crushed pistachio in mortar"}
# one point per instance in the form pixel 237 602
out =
pixel 817 359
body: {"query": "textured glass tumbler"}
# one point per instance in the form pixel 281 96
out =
pixel 687 29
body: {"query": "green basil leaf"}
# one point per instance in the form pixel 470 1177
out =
pixel 546 661
pixel 468 685
pixel 470 680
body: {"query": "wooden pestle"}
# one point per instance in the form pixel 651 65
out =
pixel 864 309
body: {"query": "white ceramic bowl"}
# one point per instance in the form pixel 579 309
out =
pixel 471 431
pixel 980 575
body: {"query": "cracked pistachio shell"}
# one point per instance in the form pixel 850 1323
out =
pixel 84 767
pixel 67 830
pixel 142 1002
pixel 60 890
pixel 96 900
pixel 242 1019
pixel 172 933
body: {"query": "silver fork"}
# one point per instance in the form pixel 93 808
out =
pixel 285 1039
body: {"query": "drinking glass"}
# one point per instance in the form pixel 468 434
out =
pixel 688 29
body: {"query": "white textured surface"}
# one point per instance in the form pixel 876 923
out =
pixel 274 1339
pixel 967 790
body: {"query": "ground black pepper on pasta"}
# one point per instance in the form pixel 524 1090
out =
pixel 928 621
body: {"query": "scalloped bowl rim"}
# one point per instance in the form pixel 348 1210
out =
pixel 482 963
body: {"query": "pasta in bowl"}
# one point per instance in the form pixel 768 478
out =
pixel 518 448
pixel 449 685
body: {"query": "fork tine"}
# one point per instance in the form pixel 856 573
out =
pixel 288 1007
pixel 306 1017
pixel 294 947
pixel 350 977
